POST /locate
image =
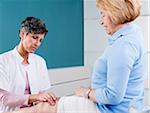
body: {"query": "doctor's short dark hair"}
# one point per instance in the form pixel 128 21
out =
pixel 33 25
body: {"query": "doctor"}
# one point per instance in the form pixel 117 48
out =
pixel 21 70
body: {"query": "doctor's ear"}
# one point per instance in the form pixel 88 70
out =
pixel 22 34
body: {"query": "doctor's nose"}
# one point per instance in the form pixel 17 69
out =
pixel 37 43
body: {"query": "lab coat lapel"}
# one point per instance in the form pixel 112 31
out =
pixel 17 74
pixel 19 82
pixel 33 78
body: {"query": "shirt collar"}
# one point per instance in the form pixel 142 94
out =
pixel 125 30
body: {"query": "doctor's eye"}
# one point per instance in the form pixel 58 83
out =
pixel 34 37
pixel 41 40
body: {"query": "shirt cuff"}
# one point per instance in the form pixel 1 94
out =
pixel 26 101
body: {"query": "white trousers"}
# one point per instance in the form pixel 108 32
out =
pixel 74 104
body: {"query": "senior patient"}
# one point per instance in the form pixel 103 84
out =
pixel 118 75
pixel 21 70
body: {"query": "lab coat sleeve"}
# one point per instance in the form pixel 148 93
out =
pixel 4 76
pixel 13 100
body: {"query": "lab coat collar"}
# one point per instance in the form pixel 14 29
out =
pixel 19 57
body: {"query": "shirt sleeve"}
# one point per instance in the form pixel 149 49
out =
pixel 13 100
pixel 120 61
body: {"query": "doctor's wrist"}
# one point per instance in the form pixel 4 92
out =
pixel 33 98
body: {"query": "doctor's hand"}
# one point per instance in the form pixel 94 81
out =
pixel 43 97
pixel 47 97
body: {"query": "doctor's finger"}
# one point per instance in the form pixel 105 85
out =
pixel 51 101
pixel 53 96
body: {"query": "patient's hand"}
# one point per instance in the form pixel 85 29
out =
pixel 81 91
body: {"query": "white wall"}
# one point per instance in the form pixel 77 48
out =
pixel 66 80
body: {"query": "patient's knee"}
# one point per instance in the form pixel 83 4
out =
pixel 45 107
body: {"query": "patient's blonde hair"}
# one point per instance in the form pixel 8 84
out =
pixel 120 11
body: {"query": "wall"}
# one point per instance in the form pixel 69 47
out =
pixel 66 80
pixel 63 45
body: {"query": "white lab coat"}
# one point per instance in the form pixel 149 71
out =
pixel 12 75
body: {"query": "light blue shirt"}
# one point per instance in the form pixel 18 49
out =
pixel 119 74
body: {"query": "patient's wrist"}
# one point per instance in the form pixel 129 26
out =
pixel 87 93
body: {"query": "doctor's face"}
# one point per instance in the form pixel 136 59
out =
pixel 107 23
pixel 31 42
